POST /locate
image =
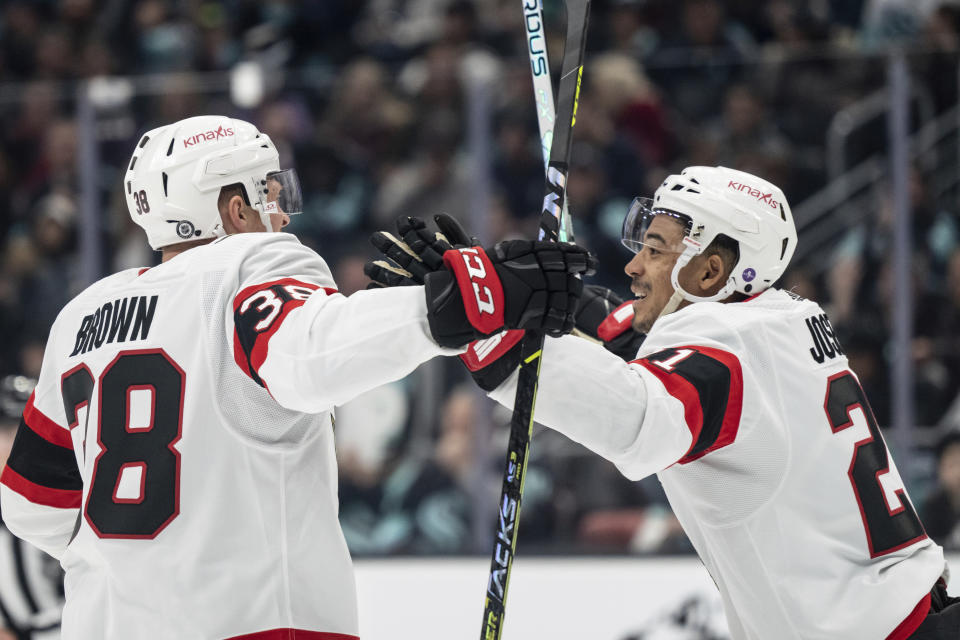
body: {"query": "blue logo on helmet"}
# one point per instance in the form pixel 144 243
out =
pixel 749 274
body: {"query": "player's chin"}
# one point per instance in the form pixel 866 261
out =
pixel 643 317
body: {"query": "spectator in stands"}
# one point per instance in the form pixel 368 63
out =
pixel 629 32
pixel 394 500
pixel 389 26
pixel 591 197
pixel 941 509
pixel 365 120
pixel 628 121
pixel 518 160
pixel 946 340
pixel 865 250
pixel 164 41
pixel 612 514
pixel 437 179
pixel 941 33
pixel 747 136
pixel 694 64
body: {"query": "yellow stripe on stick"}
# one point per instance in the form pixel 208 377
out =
pixel 576 96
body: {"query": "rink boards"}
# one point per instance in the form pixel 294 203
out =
pixel 557 598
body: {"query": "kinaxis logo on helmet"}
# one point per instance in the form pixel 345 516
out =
pixel 756 193
pixel 206 136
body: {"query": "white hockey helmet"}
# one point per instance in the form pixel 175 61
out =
pixel 174 178
pixel 716 200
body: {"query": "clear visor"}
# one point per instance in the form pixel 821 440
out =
pixel 635 225
pixel 280 192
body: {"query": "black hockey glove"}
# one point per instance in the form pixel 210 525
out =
pixel 601 315
pixel 605 316
pixel 519 284
pixel 415 251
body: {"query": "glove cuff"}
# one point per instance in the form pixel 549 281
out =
pixel 445 314
pixel 492 360
pixel 616 322
pixel 481 353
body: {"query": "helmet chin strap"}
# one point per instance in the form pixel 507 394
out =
pixel 262 208
pixel 672 304
pixel 680 294
pixel 265 219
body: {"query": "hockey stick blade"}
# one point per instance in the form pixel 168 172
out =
pixel 521 424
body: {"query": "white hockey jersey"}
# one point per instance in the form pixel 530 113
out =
pixel 770 457
pixel 177 454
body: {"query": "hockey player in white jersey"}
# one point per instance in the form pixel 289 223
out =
pixel 177 454
pixel 743 403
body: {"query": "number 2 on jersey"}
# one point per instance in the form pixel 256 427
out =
pixel 143 453
pixel 887 529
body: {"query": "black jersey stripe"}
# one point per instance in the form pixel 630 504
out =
pixel 711 379
pixel 42 462
pixel 709 383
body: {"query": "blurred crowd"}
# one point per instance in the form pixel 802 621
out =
pixel 373 101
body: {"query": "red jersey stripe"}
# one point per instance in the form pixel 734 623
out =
pixel 248 291
pixel 38 494
pixel 685 392
pixel 906 628
pixel 45 427
pixel 249 362
pixel 687 385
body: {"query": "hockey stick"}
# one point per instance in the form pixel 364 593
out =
pixel 543 92
pixel 521 424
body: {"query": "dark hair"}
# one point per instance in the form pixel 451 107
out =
pixel 727 248
pixel 227 192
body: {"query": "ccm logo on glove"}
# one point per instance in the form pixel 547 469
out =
pixel 479 285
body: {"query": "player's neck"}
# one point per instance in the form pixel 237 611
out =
pixel 171 251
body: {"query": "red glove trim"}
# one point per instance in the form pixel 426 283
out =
pixel 480 287
pixel 481 353
pixel 618 321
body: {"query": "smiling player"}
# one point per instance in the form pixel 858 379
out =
pixel 743 403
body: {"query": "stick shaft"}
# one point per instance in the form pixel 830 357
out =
pixel 568 93
pixel 540 72
pixel 521 424
pixel 543 93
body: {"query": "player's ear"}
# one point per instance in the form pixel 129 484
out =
pixel 232 213
pixel 713 274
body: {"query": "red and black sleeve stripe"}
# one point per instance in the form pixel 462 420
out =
pixel 709 383
pixel 258 312
pixel 42 466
